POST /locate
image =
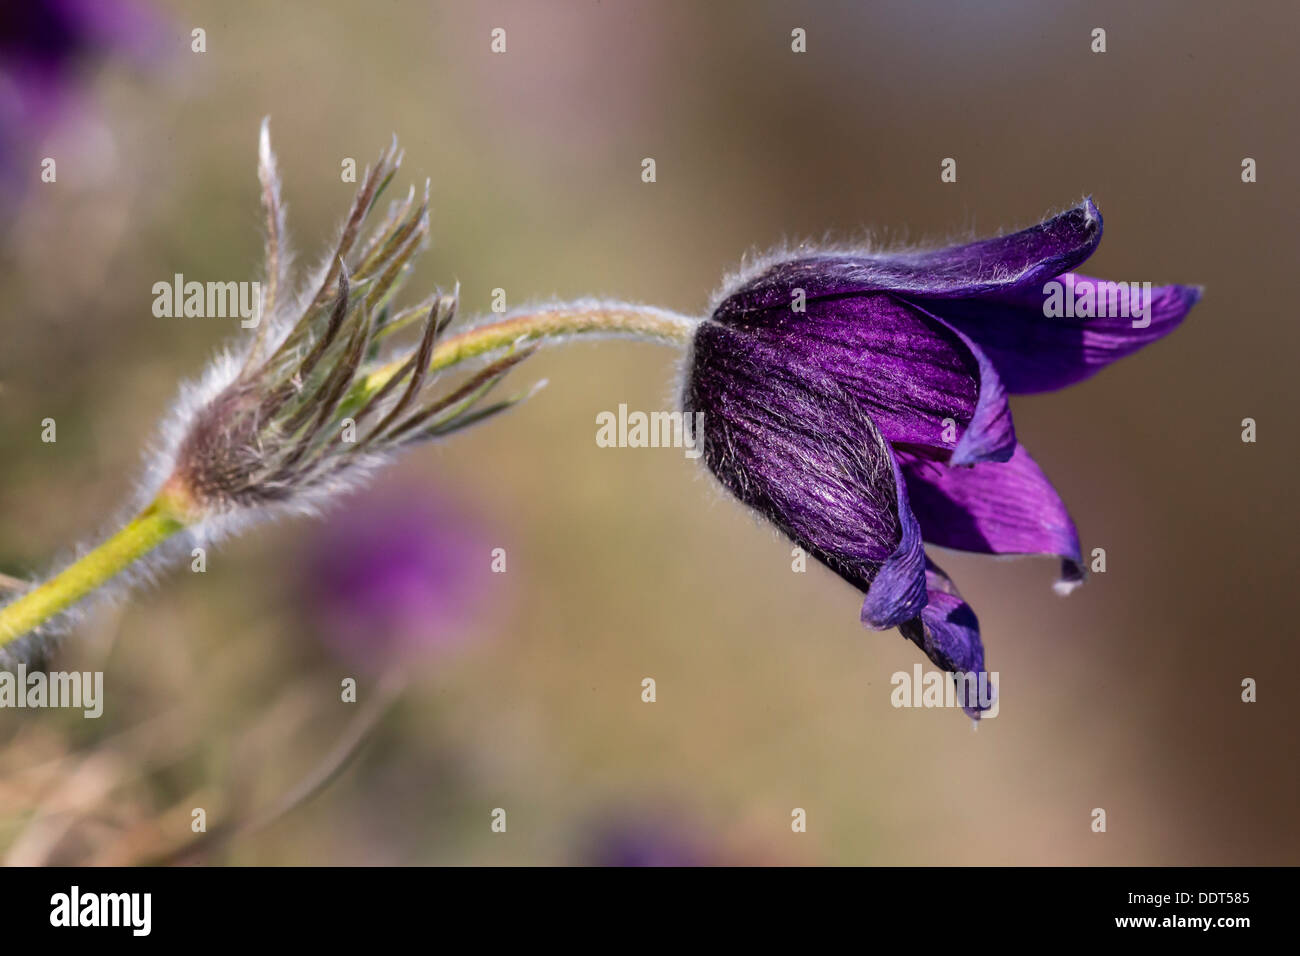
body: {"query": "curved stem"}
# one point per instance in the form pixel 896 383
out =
pixel 169 513
pixel 545 322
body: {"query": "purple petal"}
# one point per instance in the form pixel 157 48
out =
pixel 921 381
pixel 899 587
pixel 990 434
pixel 948 631
pixel 1038 352
pixel 1024 259
pixel 786 440
pixel 993 508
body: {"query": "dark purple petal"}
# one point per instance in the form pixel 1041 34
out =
pixel 789 442
pixel 1037 352
pixel 899 587
pixel 948 631
pixel 921 381
pixel 990 435
pixel 1024 259
pixel 993 508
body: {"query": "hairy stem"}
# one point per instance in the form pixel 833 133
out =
pixel 168 514
pixel 150 528
pixel 546 322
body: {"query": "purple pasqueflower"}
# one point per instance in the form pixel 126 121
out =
pixel 859 403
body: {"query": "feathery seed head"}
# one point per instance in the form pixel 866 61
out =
pixel 308 404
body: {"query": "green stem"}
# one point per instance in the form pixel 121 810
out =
pixel 600 318
pixel 150 528
pixel 169 513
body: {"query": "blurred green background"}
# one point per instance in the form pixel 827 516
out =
pixel 626 564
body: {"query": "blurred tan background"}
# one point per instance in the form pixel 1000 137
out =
pixel 625 564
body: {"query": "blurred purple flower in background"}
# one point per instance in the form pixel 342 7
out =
pixel 395 575
pixel 636 841
pixel 46 47
pixel 859 402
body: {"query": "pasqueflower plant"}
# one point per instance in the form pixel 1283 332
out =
pixel 855 399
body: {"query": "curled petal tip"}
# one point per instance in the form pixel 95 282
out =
pixel 1090 211
pixel 1083 223
pixel 1070 580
